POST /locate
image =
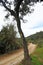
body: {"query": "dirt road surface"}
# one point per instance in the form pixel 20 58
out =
pixel 15 57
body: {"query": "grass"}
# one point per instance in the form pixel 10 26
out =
pixel 37 57
pixel 39 53
pixel 36 61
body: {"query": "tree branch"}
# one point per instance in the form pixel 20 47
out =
pixel 11 11
pixel 18 6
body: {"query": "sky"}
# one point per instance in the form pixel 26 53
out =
pixel 34 21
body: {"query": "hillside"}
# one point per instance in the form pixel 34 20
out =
pixel 36 38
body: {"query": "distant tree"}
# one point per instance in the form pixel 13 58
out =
pixel 20 9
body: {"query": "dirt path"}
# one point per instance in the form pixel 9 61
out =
pixel 14 58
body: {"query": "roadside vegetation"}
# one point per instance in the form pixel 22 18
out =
pixel 36 57
pixel 8 41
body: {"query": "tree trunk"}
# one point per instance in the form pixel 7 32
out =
pixel 26 52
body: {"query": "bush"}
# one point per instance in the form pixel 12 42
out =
pixel 8 40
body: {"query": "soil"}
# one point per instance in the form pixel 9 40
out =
pixel 16 57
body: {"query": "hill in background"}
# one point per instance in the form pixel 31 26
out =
pixel 36 38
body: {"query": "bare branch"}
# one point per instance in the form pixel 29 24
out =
pixel 11 11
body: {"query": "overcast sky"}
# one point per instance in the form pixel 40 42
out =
pixel 34 23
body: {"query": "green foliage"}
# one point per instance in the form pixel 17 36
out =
pixel 36 38
pixel 8 40
pixel 37 57
pixel 19 41
pixel 35 61
pixel 39 53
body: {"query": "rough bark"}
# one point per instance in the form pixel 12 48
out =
pixel 26 52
